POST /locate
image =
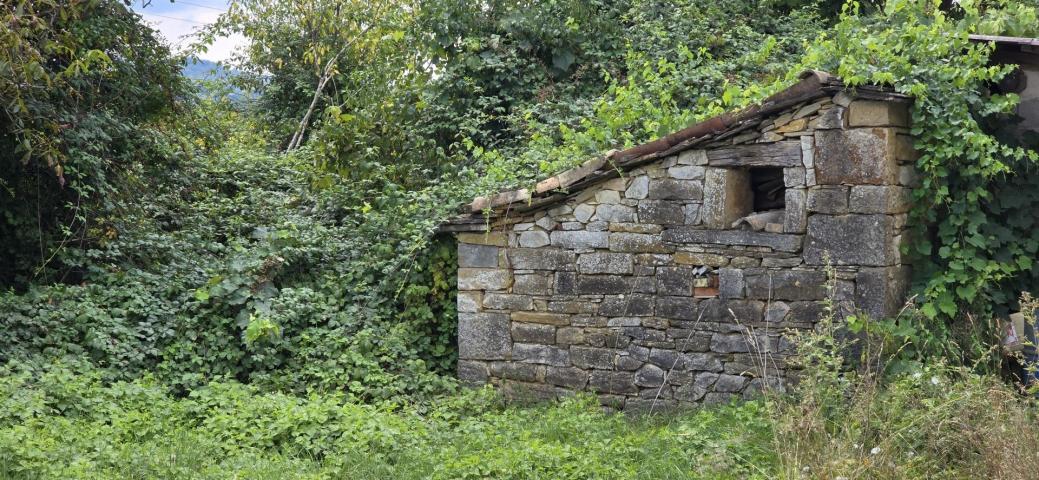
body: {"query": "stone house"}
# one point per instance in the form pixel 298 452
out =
pixel 668 273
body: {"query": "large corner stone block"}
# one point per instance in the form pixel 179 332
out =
pixel 484 279
pixel 727 197
pixel 881 292
pixel 867 240
pixel 872 113
pixel 483 336
pixel 477 256
pixel 861 156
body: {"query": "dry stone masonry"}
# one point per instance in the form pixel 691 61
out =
pixel 674 282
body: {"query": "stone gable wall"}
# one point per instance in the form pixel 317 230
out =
pixel 641 290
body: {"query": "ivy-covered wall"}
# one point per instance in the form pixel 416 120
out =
pixel 665 286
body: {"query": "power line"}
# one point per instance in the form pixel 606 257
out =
pixel 198 5
pixel 181 19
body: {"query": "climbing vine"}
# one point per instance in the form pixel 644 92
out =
pixel 969 254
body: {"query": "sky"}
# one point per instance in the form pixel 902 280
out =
pixel 176 19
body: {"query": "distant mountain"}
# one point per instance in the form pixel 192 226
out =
pixel 199 69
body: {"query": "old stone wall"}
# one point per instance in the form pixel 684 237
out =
pixel 649 287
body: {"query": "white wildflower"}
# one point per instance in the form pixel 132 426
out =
pixel 874 451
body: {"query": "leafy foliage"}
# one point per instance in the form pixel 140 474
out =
pixel 62 422
pixel 85 90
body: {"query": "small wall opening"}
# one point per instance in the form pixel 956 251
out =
pixel 767 186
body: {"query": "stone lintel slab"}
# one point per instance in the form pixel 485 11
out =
pixel 781 242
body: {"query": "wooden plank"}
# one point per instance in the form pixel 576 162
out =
pixel 779 154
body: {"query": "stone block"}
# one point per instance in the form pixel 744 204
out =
pixel 624 322
pixel 730 343
pixel 472 373
pixel 626 305
pixel 499 239
pixel 603 284
pixel 745 262
pixel 568 377
pixel 637 243
pixel 727 197
pixel 794 177
pixel 649 376
pixel 569 336
pixel 469 301
pixel 693 213
pixel 483 336
pixel 547 223
pixel 614 213
pixel 776 312
pixel 700 259
pixel 718 398
pixel 670 189
pixel 541 258
pixel 690 235
pixel 619 383
pixel 730 283
pixel 566 283
pixel 532 284
pixel 881 292
pixel 788 285
pixel 638 189
pixel 533 239
pixel 580 239
pixel 676 281
pixel 507 301
pixel 692 157
pixel 730 383
pixel 871 113
pixel 686 172
pixel 591 357
pixel 828 119
pixel 533 333
pixel 634 228
pixel 477 256
pixel 783 262
pixel 704 362
pixel 607 196
pixel 698 388
pixel 584 212
pixel 484 279
pixel 850 240
pixel 905 151
pixel 678 308
pixel 541 317
pixel 863 156
pixel 828 199
pixel 661 212
pixel 879 199
pixel 541 354
pixel 605 262
pixel 795 217
pixel 524 372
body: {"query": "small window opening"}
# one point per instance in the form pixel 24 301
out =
pixel 765 201
pixel 768 189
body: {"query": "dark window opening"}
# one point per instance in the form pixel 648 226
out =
pixel 768 188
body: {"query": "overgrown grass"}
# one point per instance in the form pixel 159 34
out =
pixel 64 422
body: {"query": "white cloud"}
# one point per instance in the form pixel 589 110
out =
pixel 178 26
